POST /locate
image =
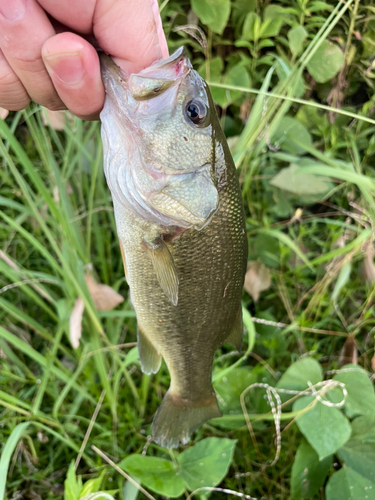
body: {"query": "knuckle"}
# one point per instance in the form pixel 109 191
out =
pixel 48 97
pixel 13 95
pixel 8 79
pixel 16 104
pixel 55 106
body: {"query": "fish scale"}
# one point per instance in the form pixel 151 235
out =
pixel 209 263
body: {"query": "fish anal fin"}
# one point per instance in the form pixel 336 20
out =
pixel 177 418
pixel 236 334
pixel 165 268
pixel 148 355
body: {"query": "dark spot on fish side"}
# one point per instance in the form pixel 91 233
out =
pixel 156 89
pixel 186 139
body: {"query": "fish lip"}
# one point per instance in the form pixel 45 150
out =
pixel 109 68
pixel 181 52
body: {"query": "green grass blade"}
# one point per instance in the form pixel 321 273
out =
pixel 41 360
pixel 6 455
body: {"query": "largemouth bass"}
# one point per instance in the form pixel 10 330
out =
pixel 181 227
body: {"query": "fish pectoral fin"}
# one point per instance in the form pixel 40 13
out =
pixel 236 334
pixel 148 355
pixel 165 268
pixel 123 259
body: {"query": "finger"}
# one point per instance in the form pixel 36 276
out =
pixel 13 95
pixel 24 27
pixel 159 29
pixel 128 30
pixel 73 66
pixel 75 14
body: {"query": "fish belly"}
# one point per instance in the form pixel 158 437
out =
pixel 210 269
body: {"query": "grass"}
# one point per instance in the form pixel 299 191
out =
pixel 56 223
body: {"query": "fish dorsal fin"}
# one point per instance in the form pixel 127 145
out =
pixel 236 334
pixel 148 355
pixel 165 268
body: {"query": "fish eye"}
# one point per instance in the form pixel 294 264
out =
pixel 196 111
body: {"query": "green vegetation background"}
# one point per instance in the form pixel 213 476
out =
pixel 294 83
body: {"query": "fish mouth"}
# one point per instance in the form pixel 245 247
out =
pixel 151 81
pixel 109 68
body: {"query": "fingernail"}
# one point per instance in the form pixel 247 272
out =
pixel 67 67
pixel 13 10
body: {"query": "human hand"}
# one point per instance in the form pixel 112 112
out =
pixel 62 70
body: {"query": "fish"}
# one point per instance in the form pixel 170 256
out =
pixel 181 228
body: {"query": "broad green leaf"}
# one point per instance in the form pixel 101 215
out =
pixel 267 249
pixel 236 76
pixel 359 452
pixel 100 495
pixel 231 387
pixel 251 27
pixel 207 462
pixel 7 452
pixel 326 62
pixel 300 373
pixel 361 396
pixel 130 491
pixel 324 427
pixel 293 180
pixel 308 472
pixel 274 18
pixel 346 484
pixel 363 428
pixel 72 484
pixel 157 474
pixel 212 72
pixel 92 485
pixel 296 38
pixel 288 133
pixel 214 13
pixel 240 9
pixel 360 457
pixel 317 6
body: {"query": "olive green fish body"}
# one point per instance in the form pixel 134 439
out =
pixel 185 276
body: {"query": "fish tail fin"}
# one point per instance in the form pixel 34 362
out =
pixel 177 418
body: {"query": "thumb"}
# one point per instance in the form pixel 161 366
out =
pixel 131 32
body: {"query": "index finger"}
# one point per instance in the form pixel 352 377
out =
pixel 129 30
